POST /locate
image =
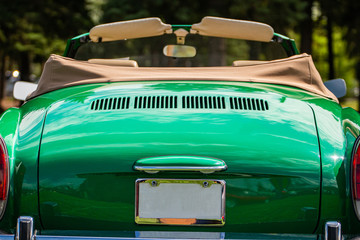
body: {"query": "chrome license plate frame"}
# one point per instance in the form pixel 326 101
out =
pixel 180 202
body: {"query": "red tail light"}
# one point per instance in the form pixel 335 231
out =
pixel 356 174
pixel 356 179
pixel 3 170
pixel 4 176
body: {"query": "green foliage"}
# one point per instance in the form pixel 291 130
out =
pixel 189 11
pixel 39 28
pixel 344 63
pixel 282 15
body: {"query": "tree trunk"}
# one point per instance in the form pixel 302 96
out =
pixel 2 78
pixel 357 74
pixel 255 50
pixel 306 29
pixel 329 28
pixel 25 66
pixel 2 74
pixel 217 54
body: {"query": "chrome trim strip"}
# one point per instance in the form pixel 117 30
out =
pixel 179 235
pixel 333 230
pixel 243 236
pixel 184 235
pixel 155 169
pixel 180 221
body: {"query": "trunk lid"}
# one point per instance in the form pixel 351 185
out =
pixel 92 140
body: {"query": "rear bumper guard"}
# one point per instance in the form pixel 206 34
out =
pixel 333 231
pixel 25 228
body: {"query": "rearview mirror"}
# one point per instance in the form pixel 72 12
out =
pixel 337 87
pixel 23 89
pixel 179 51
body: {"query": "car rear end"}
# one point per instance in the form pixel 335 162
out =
pixel 193 159
pixel 93 144
pixel 145 153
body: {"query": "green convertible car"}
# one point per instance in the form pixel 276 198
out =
pixel 146 130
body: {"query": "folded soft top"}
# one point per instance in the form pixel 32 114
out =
pixel 296 71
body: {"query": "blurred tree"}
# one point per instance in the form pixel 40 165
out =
pixel 29 32
pixel 350 21
pixel 331 11
pixel 282 15
pixel 306 27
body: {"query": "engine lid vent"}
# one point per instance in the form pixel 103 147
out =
pixel 255 104
pixel 111 103
pixel 175 102
pixel 155 102
pixel 203 102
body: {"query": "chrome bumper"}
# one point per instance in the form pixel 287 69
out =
pixel 25 231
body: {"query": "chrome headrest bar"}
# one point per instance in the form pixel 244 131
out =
pixel 25 228
pixel 333 231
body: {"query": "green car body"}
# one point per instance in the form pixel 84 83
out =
pixel 286 158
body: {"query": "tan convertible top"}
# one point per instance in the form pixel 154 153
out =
pixel 297 71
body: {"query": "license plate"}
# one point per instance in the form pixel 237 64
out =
pixel 180 202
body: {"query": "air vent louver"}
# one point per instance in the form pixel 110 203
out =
pixel 187 102
pixel 155 102
pixel 203 102
pixel 111 103
pixel 248 104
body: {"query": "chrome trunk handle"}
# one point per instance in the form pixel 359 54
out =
pixel 179 164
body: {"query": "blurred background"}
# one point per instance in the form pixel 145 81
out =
pixel 31 30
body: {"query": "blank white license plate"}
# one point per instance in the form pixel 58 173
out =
pixel 180 202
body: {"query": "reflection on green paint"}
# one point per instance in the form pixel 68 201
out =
pixel 86 175
pixel 268 169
